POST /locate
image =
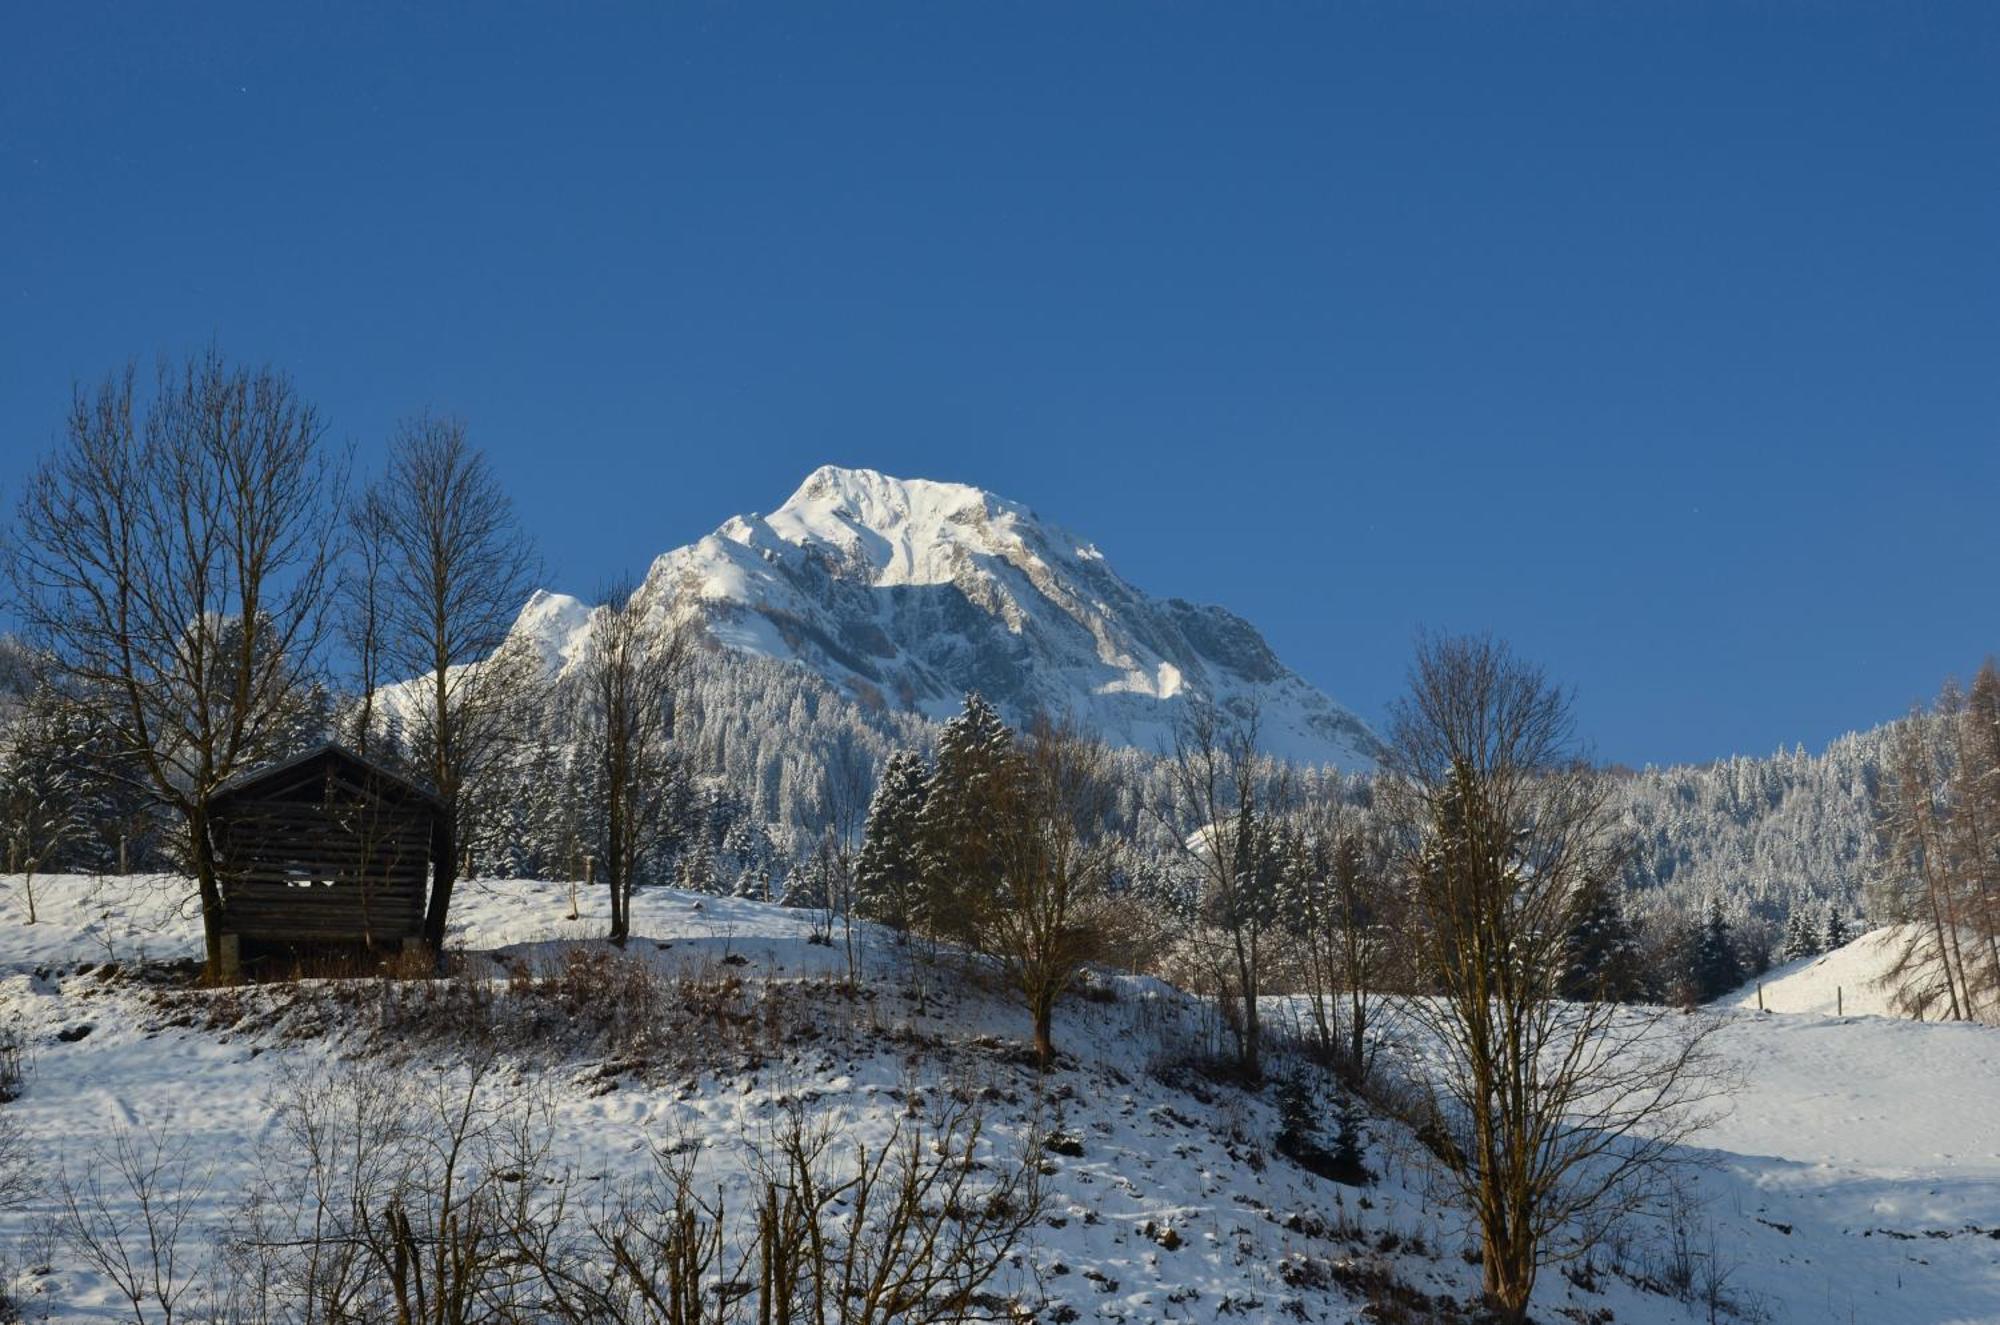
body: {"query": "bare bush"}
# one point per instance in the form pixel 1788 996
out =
pixel 911 1230
pixel 384 1199
pixel 13 1064
pixel 19 1173
pixel 627 1009
pixel 126 1215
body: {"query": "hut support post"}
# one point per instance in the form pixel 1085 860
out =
pixel 232 958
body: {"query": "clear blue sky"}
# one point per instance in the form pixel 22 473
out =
pixel 1662 339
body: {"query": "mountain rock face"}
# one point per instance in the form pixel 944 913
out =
pixel 905 594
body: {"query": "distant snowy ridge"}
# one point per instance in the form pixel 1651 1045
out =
pixel 905 593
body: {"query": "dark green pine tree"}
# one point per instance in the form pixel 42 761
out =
pixel 1838 935
pixel 1601 958
pixel 960 820
pixel 889 873
pixel 1717 969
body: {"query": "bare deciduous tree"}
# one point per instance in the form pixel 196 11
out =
pixel 171 564
pixel 1549 1119
pixel 1939 819
pixel 364 609
pixel 1053 913
pixel 627 685
pixel 1339 904
pixel 1222 798
pixel 1926 971
pixel 457 569
pixel 845 778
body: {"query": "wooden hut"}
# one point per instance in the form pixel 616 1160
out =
pixel 325 848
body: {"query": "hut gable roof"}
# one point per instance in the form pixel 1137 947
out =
pixel 315 765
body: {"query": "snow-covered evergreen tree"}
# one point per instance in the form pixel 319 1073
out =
pixel 1802 936
pixel 889 873
pixel 1602 955
pixel 697 868
pixel 975 751
pixel 752 885
pixel 62 804
pixel 42 789
pixel 805 887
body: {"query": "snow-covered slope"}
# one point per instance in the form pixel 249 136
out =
pixel 908 593
pixel 1847 981
pixel 1856 1177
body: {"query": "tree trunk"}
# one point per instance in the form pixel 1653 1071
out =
pixel 1357 1030
pixel 202 851
pixel 621 908
pixel 446 868
pixel 1246 970
pixel 1045 1048
pixel 1508 1268
pixel 618 863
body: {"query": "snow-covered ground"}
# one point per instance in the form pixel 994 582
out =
pixel 1844 982
pixel 1856 1179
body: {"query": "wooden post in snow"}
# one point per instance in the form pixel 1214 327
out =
pixel 1760 995
pixel 1838 1004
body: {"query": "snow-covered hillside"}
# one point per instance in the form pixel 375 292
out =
pixel 1765 835
pixel 1857 1177
pixel 908 593
pixel 1847 981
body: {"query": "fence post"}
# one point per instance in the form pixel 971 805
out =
pixel 1760 995
pixel 1839 1004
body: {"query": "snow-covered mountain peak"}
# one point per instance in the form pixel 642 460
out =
pixel 554 625
pixel 906 593
pixel 897 531
pixel 880 500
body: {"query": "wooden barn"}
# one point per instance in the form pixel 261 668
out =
pixel 323 849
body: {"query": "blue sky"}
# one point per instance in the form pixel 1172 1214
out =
pixel 1660 339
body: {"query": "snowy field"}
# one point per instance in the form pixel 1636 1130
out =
pixel 1857 1177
